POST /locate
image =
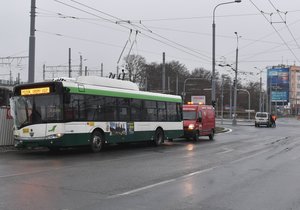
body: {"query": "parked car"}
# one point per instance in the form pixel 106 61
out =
pixel 262 118
pixel 199 120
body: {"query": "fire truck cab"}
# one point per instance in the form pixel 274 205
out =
pixel 198 120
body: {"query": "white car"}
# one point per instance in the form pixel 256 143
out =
pixel 262 118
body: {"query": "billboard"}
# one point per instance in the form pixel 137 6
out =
pixel 278 84
pixel 198 99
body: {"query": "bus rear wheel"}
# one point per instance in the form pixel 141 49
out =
pixel 97 141
pixel 159 137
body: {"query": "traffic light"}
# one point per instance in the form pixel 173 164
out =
pixel 213 103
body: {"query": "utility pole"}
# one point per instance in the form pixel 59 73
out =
pixel 222 98
pixel 176 84
pixel 18 78
pixel 235 78
pixel 32 43
pixel 146 84
pixel 10 77
pixel 85 71
pixel 164 73
pixel 230 102
pixel 260 95
pixel 169 85
pixel 260 89
pixel 80 66
pixel 101 70
pixel 70 63
pixel 270 95
pixel 44 72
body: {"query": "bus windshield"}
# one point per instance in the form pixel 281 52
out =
pixel 36 109
pixel 189 115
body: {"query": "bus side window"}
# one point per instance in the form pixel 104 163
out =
pixel 150 111
pixel 123 109
pixel 162 111
pixel 135 110
pixel 110 109
pixel 172 111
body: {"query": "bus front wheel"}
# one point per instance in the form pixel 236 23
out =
pixel 97 141
pixel 159 137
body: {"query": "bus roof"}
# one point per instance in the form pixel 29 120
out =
pixel 116 88
pixel 94 85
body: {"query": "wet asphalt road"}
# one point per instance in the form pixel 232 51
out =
pixel 248 168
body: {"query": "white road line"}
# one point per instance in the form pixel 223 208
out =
pixel 226 151
pixel 197 172
pixel 184 176
pixel 142 188
pixel 160 183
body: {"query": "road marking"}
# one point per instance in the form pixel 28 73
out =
pixel 197 172
pixel 142 188
pixel 184 176
pixel 160 183
pixel 229 131
pixel 226 151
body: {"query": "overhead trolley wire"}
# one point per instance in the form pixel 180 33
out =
pixel 134 25
pixel 118 21
pixel 108 20
pixel 282 39
pixel 284 23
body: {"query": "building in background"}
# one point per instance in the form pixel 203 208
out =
pixel 295 89
pixel 283 87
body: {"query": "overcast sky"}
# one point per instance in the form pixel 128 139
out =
pixel 99 29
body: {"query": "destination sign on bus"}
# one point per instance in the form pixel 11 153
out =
pixel 35 91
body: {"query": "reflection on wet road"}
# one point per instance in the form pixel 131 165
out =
pixel 248 168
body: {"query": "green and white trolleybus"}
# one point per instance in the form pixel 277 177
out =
pixel 92 111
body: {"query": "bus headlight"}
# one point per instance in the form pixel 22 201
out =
pixel 55 136
pixel 191 127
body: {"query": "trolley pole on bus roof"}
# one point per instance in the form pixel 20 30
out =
pixel 31 43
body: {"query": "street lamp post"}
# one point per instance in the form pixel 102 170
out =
pixel 213 82
pixel 222 99
pixel 235 79
pixel 249 101
pixel 260 89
